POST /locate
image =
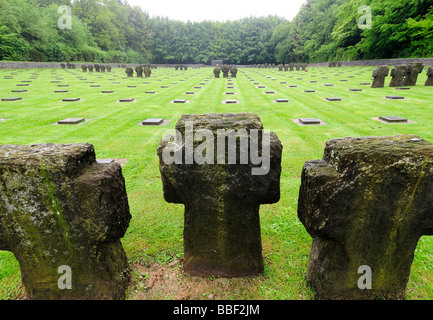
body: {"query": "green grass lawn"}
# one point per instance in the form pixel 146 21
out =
pixel 154 237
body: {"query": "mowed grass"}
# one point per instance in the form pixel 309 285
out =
pixel 155 231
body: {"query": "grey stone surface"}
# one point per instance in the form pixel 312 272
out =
pixel 59 207
pixel 222 226
pixel 366 203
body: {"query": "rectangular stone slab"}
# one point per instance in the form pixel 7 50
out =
pixel 152 122
pixel 282 100
pixel 71 121
pixel 392 119
pixel 333 99
pixel 71 99
pixel 394 97
pixel 179 101
pixel 126 100
pixel 11 99
pixel 309 121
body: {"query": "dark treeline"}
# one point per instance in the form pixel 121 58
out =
pixel 114 31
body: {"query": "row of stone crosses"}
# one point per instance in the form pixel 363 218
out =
pixel 96 67
pixel 63 213
pixel 402 76
pixel 225 69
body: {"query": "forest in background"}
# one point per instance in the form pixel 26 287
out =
pixel 112 31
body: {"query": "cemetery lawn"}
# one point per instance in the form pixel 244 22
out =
pixel 153 242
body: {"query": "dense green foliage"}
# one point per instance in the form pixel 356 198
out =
pixel 114 31
pixel 326 30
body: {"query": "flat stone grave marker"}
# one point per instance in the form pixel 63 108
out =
pixel 309 121
pixel 19 91
pixel 126 100
pixel 269 92
pixel 283 82
pixel 26 81
pixel 71 121
pixel 71 99
pixel 95 85
pixel 132 86
pixel 333 99
pixel 12 99
pixel 261 87
pixel 189 92
pixel 293 86
pixel 313 81
pixel 355 89
pixel 364 84
pixel 63 85
pixel 197 87
pixel 152 122
pixel 308 91
pixel 179 101
pixel 402 88
pixel 281 100
pixel 61 91
pixel 22 85
pixel 394 97
pixel 54 81
pixel 230 101
pixel 164 86
pixel 150 92
pixel 107 91
pixel 328 85
pixel 393 119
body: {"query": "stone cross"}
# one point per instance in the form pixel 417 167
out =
pixel 225 70
pixel 63 214
pixel 216 72
pixel 108 68
pixel 366 204
pixel 429 81
pixel 147 72
pixel 97 68
pixel 102 67
pixel 129 72
pixel 84 67
pixel 379 75
pixel 398 74
pixel 233 72
pixel 222 199
pixel 139 71
pixel 412 74
pixel 90 67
